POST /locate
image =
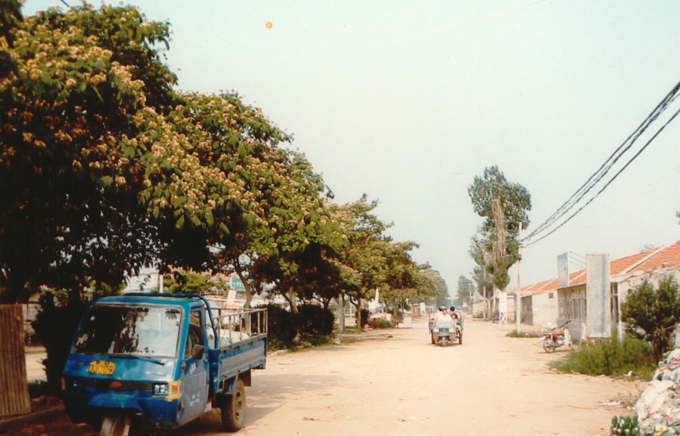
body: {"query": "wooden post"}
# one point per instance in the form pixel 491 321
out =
pixel 14 398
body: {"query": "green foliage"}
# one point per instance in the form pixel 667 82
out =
pixel 10 16
pixel 185 282
pixel 653 314
pixel 55 326
pixel 106 169
pixel 314 321
pixel 371 260
pixel 496 248
pixel 612 358
pixel 515 199
pixel 320 340
pixel 70 213
pixel 514 334
pixel 624 425
pixel 464 290
pixel 381 323
pixel 282 327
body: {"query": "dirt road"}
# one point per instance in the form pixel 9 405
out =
pixel 403 385
pixel 490 385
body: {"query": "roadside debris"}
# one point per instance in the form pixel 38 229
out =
pixel 658 408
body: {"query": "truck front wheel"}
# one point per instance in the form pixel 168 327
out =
pixel 118 425
pixel 232 409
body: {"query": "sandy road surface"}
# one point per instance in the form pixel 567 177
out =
pixel 490 385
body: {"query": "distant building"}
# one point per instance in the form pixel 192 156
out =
pixel 549 302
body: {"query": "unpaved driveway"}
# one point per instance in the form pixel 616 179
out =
pixel 490 385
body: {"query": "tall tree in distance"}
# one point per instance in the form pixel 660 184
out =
pixel 483 280
pixel 464 291
pixel 504 206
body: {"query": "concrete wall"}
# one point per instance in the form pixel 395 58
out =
pixel 545 308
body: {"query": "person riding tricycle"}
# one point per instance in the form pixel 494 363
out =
pixel 444 329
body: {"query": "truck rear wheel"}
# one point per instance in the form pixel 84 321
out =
pixel 232 409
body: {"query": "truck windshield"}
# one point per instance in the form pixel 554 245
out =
pixel 138 330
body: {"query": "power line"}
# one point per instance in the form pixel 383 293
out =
pixel 607 166
pixel 577 255
pixel 604 169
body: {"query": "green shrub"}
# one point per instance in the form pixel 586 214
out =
pixel 613 358
pixel 321 340
pixel 624 425
pixel 55 326
pixel 652 314
pixel 381 323
pixel 514 334
pixel 314 324
pixel 282 327
pixel 315 320
pixel 38 389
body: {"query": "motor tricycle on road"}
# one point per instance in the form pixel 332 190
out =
pixel 445 331
pixel 555 337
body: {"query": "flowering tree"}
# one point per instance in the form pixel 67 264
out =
pixel 105 169
pixel 69 185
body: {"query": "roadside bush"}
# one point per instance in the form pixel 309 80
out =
pixel 652 313
pixel 381 323
pixel 514 334
pixel 282 327
pixel 321 340
pixel 314 324
pixel 315 320
pixel 55 327
pixel 613 358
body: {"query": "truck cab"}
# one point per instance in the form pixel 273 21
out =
pixel 160 361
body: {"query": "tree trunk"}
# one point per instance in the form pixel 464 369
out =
pixel 359 307
pixel 341 314
pixel 290 297
pixel 246 285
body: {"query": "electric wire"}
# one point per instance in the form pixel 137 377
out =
pixel 610 181
pixel 609 163
pixel 577 255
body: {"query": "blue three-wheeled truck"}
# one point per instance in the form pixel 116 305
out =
pixel 145 363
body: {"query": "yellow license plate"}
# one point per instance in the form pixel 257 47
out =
pixel 101 367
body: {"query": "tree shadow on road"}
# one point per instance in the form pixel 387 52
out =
pixel 268 393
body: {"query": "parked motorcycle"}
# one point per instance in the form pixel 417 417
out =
pixel 554 337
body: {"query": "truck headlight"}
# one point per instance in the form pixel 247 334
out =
pixel 171 390
pixel 160 389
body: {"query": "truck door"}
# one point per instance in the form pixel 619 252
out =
pixel 194 371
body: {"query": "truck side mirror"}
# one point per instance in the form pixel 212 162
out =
pixel 197 351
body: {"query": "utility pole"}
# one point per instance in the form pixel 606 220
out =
pixel 518 294
pixel 160 278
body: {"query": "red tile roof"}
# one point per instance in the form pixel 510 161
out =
pixel 667 257
pixel 649 260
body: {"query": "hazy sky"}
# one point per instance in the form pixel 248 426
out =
pixel 407 101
